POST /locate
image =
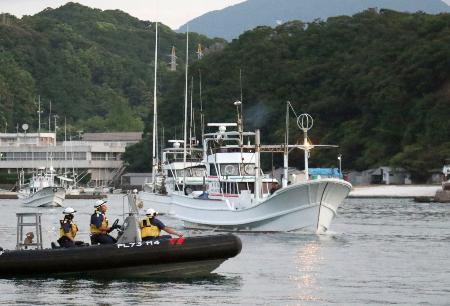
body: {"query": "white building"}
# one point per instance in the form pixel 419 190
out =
pixel 97 154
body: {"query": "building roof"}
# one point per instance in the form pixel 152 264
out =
pixel 118 136
pixel 138 174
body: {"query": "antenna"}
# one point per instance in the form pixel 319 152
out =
pixel 155 109
pixel 25 128
pixel 242 113
pixel 305 123
pixel 185 106
pixel 240 81
pixel 65 146
pixel 50 117
pixel 192 114
pixel 39 113
pixel 202 117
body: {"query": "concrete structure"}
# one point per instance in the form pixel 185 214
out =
pixel 381 175
pixel 135 179
pixel 98 154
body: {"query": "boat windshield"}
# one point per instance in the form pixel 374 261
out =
pixel 237 169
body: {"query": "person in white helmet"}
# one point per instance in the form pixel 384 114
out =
pixel 99 225
pixel 151 227
pixel 68 229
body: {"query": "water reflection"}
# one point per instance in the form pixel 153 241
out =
pixel 308 260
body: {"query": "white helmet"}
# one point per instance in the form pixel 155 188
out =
pixel 151 212
pixel 99 203
pixel 69 211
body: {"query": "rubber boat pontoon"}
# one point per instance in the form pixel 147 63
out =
pixel 129 258
pixel 178 257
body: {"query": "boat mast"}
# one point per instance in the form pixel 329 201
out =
pixel 257 166
pixel 154 161
pixel 50 117
pixel 284 181
pixel 39 116
pixel 305 123
pixel 65 146
pixel 202 117
pixel 185 107
pixel 192 116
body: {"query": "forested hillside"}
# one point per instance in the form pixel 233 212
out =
pixel 377 83
pixel 96 67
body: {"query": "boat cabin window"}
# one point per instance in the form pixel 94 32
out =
pixel 229 169
pixel 212 170
pixel 246 186
pixel 181 172
pixel 248 169
pixel 198 172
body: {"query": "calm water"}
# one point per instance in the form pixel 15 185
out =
pixel 379 252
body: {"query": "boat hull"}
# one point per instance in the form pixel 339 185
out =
pixel 179 257
pixel 45 197
pixel 160 203
pixel 310 205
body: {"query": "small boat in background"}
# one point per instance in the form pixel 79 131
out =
pixel 173 176
pixel 41 191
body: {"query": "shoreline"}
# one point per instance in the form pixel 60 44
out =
pixel 394 191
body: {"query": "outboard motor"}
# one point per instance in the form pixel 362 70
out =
pixel 130 231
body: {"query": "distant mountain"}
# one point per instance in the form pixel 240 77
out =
pixel 234 20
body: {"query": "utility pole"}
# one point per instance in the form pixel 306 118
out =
pixel 199 52
pixel 56 127
pixel 340 165
pixel 50 117
pixel 39 114
pixel 173 60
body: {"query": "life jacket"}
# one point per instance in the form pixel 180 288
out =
pixel 73 229
pixel 148 229
pixel 94 228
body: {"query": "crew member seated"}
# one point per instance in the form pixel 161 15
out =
pixel 99 225
pixel 68 229
pixel 151 227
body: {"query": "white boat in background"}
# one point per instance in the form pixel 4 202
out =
pixel 240 197
pixel 171 175
pixel 42 191
pixel 235 195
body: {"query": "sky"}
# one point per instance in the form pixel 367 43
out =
pixel 173 13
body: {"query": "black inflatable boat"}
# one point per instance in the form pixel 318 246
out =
pixel 176 257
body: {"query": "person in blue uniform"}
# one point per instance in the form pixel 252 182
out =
pixel 151 227
pixel 68 229
pixel 99 225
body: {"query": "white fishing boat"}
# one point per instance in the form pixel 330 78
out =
pixel 170 176
pixel 239 197
pixel 42 191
